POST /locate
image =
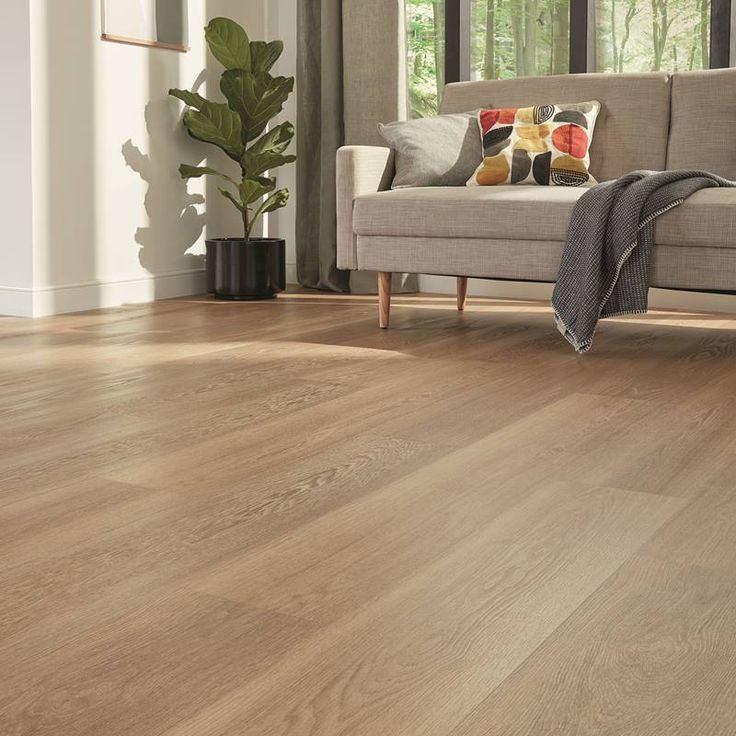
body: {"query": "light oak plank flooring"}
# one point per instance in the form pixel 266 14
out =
pixel 275 519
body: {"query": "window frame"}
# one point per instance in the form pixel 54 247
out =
pixel 582 28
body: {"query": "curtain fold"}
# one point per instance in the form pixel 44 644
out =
pixel 351 75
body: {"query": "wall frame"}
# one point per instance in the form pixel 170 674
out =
pixel 152 23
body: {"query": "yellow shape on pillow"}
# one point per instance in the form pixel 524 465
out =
pixel 493 170
pixel 533 146
pixel 533 132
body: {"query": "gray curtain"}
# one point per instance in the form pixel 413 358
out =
pixel 351 75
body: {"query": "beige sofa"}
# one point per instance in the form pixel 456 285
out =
pixel 648 121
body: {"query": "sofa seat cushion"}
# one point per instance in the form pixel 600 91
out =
pixel 500 212
pixel 707 218
pixel 508 212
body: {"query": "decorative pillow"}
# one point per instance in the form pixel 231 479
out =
pixel 441 151
pixel 546 144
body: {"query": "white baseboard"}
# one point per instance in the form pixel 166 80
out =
pixel 49 300
pixel 16 302
pixel 691 301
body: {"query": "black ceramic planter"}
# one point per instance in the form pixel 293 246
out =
pixel 243 270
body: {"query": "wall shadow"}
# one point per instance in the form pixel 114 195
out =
pixel 175 220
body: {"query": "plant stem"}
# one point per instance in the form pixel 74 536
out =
pixel 246 225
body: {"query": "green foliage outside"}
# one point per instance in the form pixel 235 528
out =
pixel 636 36
pixel 237 126
pixel 514 38
pixel 425 28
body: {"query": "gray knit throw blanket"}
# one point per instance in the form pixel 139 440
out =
pixel 605 263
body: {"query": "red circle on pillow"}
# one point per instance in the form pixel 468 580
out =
pixel 488 118
pixel 571 139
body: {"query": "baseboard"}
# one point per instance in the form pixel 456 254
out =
pixel 690 301
pixel 16 302
pixel 50 300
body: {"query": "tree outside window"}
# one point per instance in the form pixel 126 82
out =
pixel 425 30
pixel 652 35
pixel 520 38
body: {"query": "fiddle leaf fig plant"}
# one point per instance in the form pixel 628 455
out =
pixel 238 126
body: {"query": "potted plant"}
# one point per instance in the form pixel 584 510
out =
pixel 243 267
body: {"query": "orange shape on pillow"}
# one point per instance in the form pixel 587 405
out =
pixel 493 170
pixel 507 115
pixel 571 139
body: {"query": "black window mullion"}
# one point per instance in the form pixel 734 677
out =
pixel 720 33
pixel 579 36
pixel 457 40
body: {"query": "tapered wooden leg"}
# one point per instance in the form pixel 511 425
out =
pixel 384 298
pixel 462 292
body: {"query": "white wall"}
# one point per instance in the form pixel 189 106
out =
pixel 111 221
pixel 16 251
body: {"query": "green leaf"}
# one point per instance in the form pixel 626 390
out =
pixel 268 161
pixel 264 55
pixel 255 97
pixel 229 195
pixel 228 43
pixel 266 152
pixel 193 172
pixel 217 124
pixel 276 201
pixel 190 98
pixel 275 141
pixel 251 190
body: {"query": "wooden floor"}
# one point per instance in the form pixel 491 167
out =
pixel 274 519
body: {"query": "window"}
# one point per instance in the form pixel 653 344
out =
pixel 425 29
pixel 500 39
pixel 519 38
pixel 636 36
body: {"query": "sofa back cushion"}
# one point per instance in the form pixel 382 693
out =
pixel 703 127
pixel 631 131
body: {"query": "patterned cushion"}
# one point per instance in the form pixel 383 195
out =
pixel 545 144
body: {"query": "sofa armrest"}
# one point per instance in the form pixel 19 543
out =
pixel 360 170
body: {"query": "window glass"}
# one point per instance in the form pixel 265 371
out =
pixel 636 36
pixel 425 29
pixel 520 38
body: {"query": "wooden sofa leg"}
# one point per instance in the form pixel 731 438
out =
pixel 384 298
pixel 462 292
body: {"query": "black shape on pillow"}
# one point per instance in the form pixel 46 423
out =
pixel 541 167
pixel 496 148
pixel 496 135
pixel 542 113
pixel 521 165
pixel 572 116
pixel 569 178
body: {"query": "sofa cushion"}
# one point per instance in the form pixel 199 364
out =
pixel 707 218
pixel 631 132
pixel 703 128
pixel 505 211
pixel 546 145
pixel 434 152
